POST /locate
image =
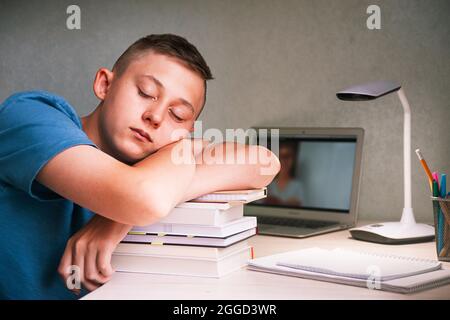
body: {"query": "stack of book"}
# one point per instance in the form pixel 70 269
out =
pixel 205 237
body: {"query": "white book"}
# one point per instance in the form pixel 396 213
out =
pixel 245 196
pixel 177 250
pixel 185 266
pixel 193 241
pixel 195 214
pixel 221 205
pixel 220 231
pixel 407 284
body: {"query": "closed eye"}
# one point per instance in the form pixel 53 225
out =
pixel 144 95
pixel 177 118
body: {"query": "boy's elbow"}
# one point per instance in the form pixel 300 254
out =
pixel 152 211
pixel 155 205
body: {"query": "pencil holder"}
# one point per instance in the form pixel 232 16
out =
pixel 441 213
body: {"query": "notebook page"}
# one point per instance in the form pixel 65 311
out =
pixel 357 265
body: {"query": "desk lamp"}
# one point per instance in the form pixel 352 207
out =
pixel 407 230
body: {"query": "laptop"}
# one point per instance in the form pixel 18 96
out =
pixel 317 188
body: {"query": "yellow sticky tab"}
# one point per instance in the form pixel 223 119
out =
pixel 139 233
pixel 157 243
pixel 190 236
pixel 161 234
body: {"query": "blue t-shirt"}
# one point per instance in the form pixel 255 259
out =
pixel 35 222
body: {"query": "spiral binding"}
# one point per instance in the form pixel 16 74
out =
pixel 392 256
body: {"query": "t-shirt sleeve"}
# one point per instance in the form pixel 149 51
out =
pixel 32 132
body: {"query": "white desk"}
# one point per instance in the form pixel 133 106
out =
pixel 246 284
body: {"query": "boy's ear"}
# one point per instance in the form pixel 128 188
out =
pixel 102 82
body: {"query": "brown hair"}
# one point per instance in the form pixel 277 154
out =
pixel 169 45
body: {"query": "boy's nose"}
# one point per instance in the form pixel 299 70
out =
pixel 154 118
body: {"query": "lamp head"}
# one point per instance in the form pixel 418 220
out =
pixel 368 91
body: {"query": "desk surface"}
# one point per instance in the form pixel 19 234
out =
pixel 246 284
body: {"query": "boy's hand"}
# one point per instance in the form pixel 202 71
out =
pixel 90 250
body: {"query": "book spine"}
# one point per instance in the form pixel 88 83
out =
pixel 202 230
pixel 191 216
pixel 207 217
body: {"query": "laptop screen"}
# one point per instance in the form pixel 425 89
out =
pixel 315 174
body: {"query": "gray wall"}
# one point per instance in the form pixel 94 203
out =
pixel 275 63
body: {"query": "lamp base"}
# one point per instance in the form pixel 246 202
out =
pixel 394 233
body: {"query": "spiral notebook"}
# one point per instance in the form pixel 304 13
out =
pixel 384 272
pixel 358 265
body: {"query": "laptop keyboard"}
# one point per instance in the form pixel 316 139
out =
pixel 309 224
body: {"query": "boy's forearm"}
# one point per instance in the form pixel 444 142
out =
pixel 238 172
pixel 166 175
pixel 210 178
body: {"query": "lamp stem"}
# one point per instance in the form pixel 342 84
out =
pixel 407 215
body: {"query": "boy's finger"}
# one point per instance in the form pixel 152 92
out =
pixel 64 269
pixel 76 291
pixel 90 286
pixel 104 263
pixel 92 274
pixel 79 260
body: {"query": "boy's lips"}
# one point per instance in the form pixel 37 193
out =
pixel 142 133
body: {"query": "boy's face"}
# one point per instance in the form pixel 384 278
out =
pixel 155 96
